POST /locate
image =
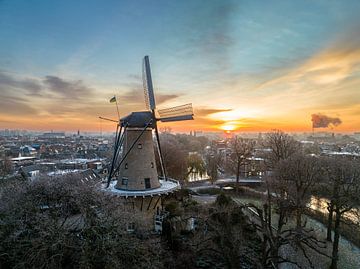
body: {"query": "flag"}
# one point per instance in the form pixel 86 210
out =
pixel 113 100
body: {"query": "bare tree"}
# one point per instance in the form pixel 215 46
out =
pixel 288 189
pixel 344 185
pixel 5 167
pixel 195 165
pixel 241 151
pixel 66 223
pixel 281 146
pixel 181 155
pixel 225 234
pixel 295 177
pixel 214 161
pixel 174 157
pixel 271 220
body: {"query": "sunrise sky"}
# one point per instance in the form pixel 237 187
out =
pixel 245 65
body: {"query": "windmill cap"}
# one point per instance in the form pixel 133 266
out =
pixel 138 119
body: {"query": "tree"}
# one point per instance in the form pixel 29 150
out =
pixel 225 234
pixel 213 162
pixel 195 165
pixel 175 158
pixel 66 223
pixel 5 167
pixel 177 152
pixel 288 189
pixel 295 177
pixel 271 221
pixel 344 185
pixel 281 146
pixel 241 150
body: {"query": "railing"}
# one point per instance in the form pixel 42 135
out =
pixel 166 186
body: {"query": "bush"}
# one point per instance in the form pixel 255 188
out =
pixel 223 200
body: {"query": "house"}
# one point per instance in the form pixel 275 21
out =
pixel 30 172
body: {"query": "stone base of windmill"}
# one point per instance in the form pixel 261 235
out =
pixel 147 203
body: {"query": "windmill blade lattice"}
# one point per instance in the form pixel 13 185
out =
pixel 177 113
pixel 148 86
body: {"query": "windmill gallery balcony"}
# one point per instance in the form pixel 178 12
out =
pixel 166 187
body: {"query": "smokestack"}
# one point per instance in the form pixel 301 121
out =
pixel 323 121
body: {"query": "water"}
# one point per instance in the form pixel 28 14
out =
pixel 320 204
pixel 197 177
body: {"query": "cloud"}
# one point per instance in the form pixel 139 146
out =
pixel 328 81
pixel 135 96
pixel 14 91
pixel 16 106
pixel 29 85
pixel 323 121
pixel 203 112
pixel 66 88
pixel 209 34
pixel 50 95
pixel 334 64
pixel 162 98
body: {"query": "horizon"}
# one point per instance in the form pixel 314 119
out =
pixel 198 132
pixel 247 66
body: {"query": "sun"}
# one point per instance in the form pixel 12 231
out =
pixel 228 127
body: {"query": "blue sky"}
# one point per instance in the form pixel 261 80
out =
pixel 223 50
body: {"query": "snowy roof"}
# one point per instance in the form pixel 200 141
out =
pixel 307 142
pixel 22 158
pixel 344 153
pixel 78 160
pixel 255 159
pixel 63 172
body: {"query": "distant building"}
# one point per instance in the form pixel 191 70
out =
pixel 30 172
pixel 59 135
pixel 97 165
pixel 27 151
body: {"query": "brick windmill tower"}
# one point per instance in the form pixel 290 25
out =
pixel 133 173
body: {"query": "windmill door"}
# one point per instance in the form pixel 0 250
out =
pixel 147 183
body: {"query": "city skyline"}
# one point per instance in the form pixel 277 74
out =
pixel 248 66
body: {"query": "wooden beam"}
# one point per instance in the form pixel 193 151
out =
pixel 157 202
pixel 149 203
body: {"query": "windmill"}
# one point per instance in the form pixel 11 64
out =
pixel 133 164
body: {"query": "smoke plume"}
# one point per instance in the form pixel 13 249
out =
pixel 323 121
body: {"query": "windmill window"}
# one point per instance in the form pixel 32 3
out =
pixel 124 181
pixel 126 166
pixel 139 146
pixel 152 165
pixel 130 227
pixel 147 183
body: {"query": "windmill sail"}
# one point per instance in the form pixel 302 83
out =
pixel 148 86
pixel 177 113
